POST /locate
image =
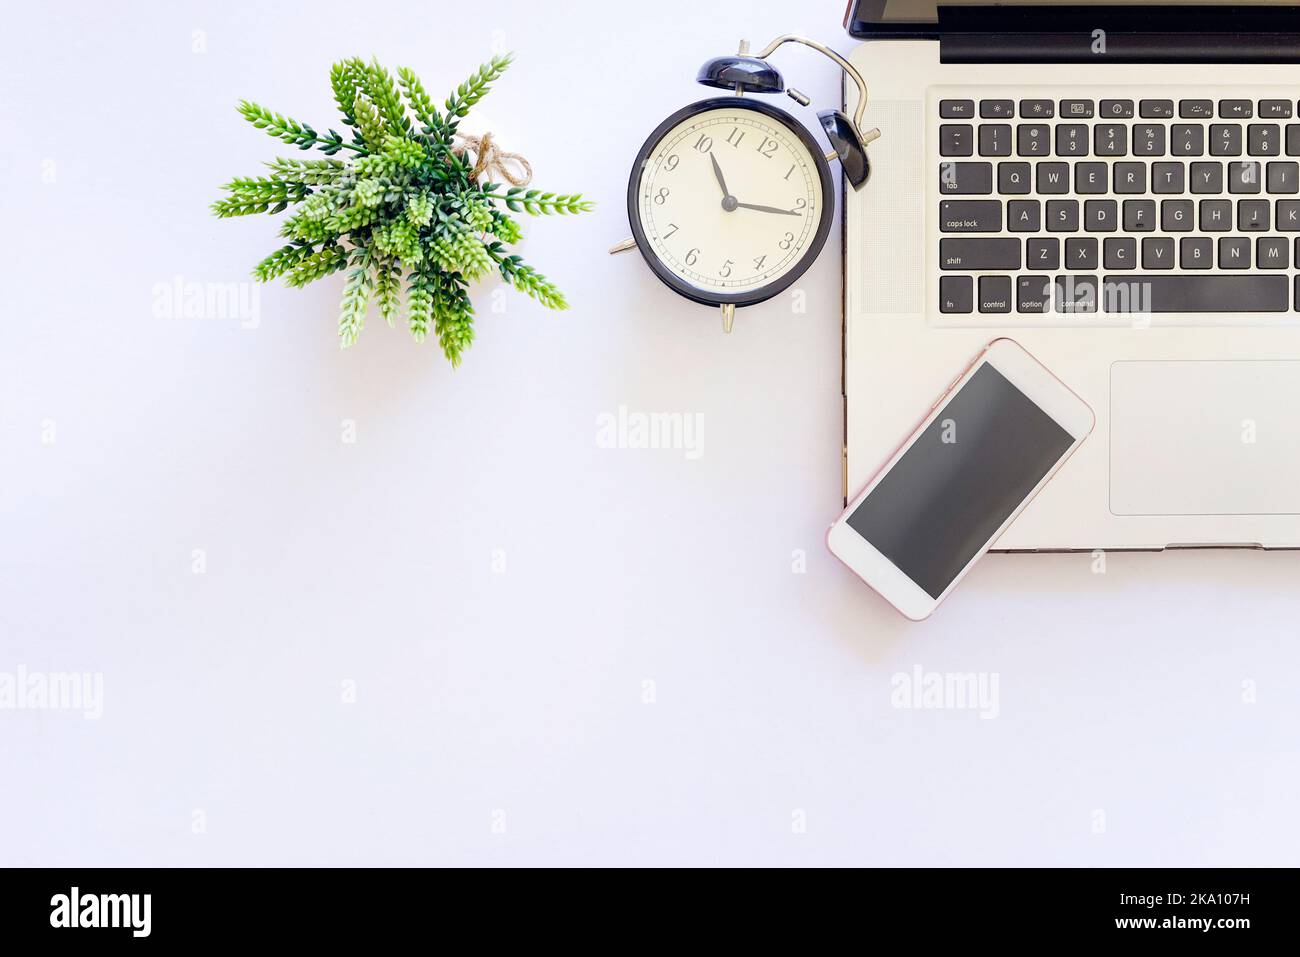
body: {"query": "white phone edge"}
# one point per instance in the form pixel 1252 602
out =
pixel 1045 390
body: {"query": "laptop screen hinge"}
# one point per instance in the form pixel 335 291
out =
pixel 1134 34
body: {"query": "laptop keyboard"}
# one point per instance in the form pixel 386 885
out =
pixel 1079 208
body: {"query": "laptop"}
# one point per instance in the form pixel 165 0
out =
pixel 1117 188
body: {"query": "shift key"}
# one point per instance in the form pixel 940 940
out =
pixel 970 216
pixel 968 178
pixel 969 254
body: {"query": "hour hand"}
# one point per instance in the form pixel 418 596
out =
pixel 717 171
pixel 768 209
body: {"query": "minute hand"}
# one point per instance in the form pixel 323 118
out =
pixel 768 209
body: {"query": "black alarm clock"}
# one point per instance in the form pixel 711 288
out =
pixel 731 199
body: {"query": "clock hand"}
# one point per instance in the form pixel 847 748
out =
pixel 768 209
pixel 717 171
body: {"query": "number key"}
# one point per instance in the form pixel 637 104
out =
pixel 1225 139
pixel 1109 139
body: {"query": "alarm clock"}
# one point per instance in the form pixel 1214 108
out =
pixel 730 199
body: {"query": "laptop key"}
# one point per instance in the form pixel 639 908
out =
pixel 956 294
pixel 995 139
pixel 1176 215
pixel 1052 177
pixel 1119 252
pixel 1078 109
pixel 997 109
pixel 1283 177
pixel 1130 177
pixel 1235 109
pixel 1243 177
pixel 1196 252
pixel 1033 139
pixel 1195 109
pixel 1110 139
pixel 1024 216
pixel 1073 294
pixel 956 109
pixel 1187 140
pixel 1156 109
pixel 1253 215
pixel 1264 139
pixel 1013 178
pixel 1116 109
pixel 1037 109
pixel 981 253
pixel 995 294
pixel 1293 139
pixel 1272 252
pixel 1090 177
pixel 1275 109
pixel 956 139
pixel 965 178
pixel 1081 252
pixel 1197 293
pixel 1148 140
pixel 1062 215
pixel 1157 252
pixel 1207 177
pixel 1167 178
pixel 1139 215
pixel 1033 293
pixel 970 216
pixel 1072 139
pixel 1288 215
pixel 1216 215
pixel 1225 139
pixel 1100 215
pixel 1234 252
pixel 1043 253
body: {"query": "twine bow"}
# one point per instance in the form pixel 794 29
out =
pixel 490 158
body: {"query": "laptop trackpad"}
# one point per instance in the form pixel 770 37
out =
pixel 1205 438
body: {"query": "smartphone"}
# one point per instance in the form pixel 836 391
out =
pixel 994 438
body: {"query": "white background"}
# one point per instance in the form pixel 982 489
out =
pixel 1125 732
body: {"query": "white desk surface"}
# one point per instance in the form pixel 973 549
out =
pixel 1146 716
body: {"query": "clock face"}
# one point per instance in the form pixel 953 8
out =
pixel 730 201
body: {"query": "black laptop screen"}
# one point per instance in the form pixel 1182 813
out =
pixel 865 13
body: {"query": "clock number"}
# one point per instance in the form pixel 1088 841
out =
pixel 788 172
pixel 725 271
pixel 672 228
pixel 661 197
pixel 799 206
pixel 735 136
pixel 758 263
pixel 703 144
pixel 692 257
pixel 787 242
pixel 768 147
pixel 670 164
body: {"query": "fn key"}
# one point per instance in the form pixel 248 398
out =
pixel 956 294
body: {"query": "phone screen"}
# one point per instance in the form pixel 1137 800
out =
pixel 979 458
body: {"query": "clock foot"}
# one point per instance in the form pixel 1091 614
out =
pixel 623 247
pixel 728 315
